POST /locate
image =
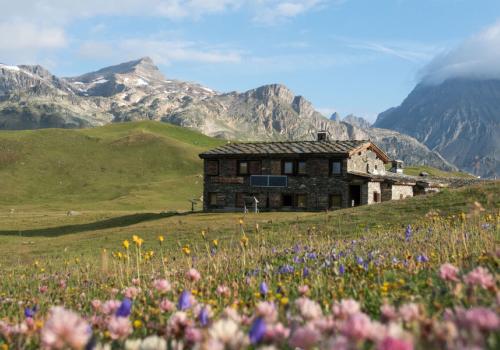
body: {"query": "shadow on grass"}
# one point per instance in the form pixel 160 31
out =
pixel 121 221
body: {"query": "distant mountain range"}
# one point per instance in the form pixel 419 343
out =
pixel 31 97
pixel 459 118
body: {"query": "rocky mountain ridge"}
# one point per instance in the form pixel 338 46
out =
pixel 31 97
pixel 459 118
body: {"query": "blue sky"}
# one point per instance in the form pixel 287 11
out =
pixel 350 56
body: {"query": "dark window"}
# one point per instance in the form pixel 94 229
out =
pixel 277 181
pixel 212 167
pixel 367 168
pixel 301 200
pixel 261 181
pixel 301 167
pixel 288 168
pixel 242 168
pixel 336 167
pixel 376 197
pixel 212 199
pixel 287 200
pixel 335 201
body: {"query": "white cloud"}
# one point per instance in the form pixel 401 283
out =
pixel 408 51
pixel 161 51
pixel 476 57
pixel 271 12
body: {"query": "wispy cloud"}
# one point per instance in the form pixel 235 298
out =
pixel 271 12
pixel 163 51
pixel 405 50
pixel 476 57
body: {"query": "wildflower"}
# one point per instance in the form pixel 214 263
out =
pixel 422 258
pixel 215 242
pixel 448 272
pixel 409 312
pixel 303 290
pixel 263 288
pixel 131 292
pixel 30 312
pixel 483 318
pixel 43 289
pixel 192 335
pixel 309 309
pixel 257 330
pixel 125 308
pixel 390 343
pixel 161 239
pixel 227 333
pixel 286 269
pixel 186 250
pixel 267 311
pixel 65 329
pixel 408 233
pixel 162 285
pixel 305 337
pixel 119 327
pixel 193 275
pixel 110 306
pixel 96 304
pixel 137 240
pixel 137 324
pixel 341 269
pixel 276 333
pixel 305 272
pixel 203 317
pixel 184 300
pixel 166 305
pixel 388 312
pixel 358 326
pixel 126 244
pixel 480 277
pixel 223 290
pixel 345 308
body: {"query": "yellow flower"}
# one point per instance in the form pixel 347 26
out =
pixel 203 235
pixel 126 244
pixel 186 250
pixel 161 239
pixel 137 240
pixel 241 221
pixel 284 301
pixel 137 324
pixel 215 242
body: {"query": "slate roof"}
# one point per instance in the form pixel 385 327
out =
pixel 286 148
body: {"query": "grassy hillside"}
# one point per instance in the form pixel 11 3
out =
pixel 129 166
pixel 416 170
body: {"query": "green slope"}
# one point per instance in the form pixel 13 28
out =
pixel 129 166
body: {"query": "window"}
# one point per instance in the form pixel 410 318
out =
pixel 301 167
pixel 268 181
pixel 212 199
pixel 336 167
pixel 242 168
pixel 212 167
pixel 367 168
pixel 287 200
pixel 301 200
pixel 376 197
pixel 288 167
pixel 335 201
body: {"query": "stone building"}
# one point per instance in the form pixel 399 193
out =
pixel 299 175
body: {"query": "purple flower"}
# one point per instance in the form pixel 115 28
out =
pixel 184 300
pixel 296 249
pixel 408 233
pixel 422 258
pixel 286 269
pixel 257 330
pixel 125 308
pixel 30 312
pixel 263 288
pixel 203 317
pixel 341 269
pixel 359 260
pixel 305 272
pixel 312 256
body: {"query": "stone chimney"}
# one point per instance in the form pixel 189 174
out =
pixel 323 135
pixel 397 166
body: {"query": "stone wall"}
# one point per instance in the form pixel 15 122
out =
pixel 358 162
pixel 401 191
pixel 373 187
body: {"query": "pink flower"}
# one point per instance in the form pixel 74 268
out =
pixel 119 327
pixel 96 304
pixel 131 292
pixel 388 312
pixel 62 284
pixel 480 277
pixel 345 308
pixel 162 285
pixel 448 272
pixel 358 326
pixel 193 275
pixel 193 335
pixel 309 309
pixel 65 329
pixel 409 312
pixel 43 289
pixel 166 305
pixel 483 318
pixel 136 281
pixel 223 290
pixel 109 307
pixel 305 337
pixel 303 290
pixel 390 343
pixel 276 333
pixel 267 311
